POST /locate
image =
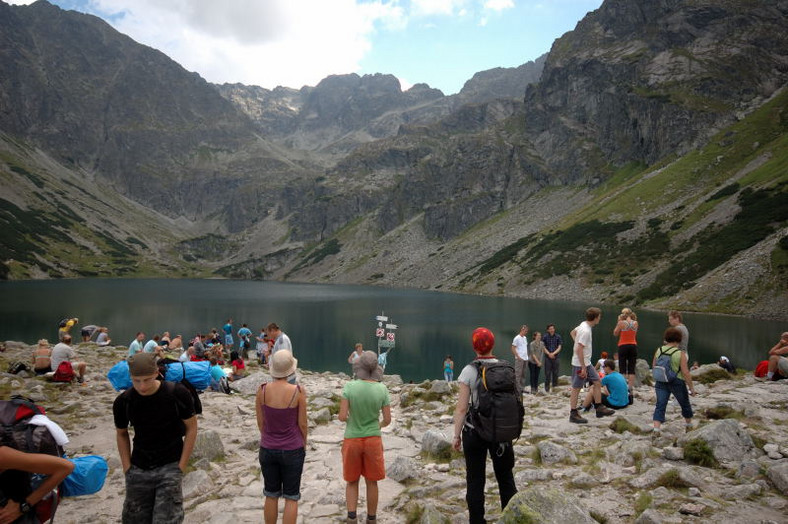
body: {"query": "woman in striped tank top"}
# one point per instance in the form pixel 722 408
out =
pixel 626 330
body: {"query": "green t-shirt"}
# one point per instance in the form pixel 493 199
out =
pixel 365 399
pixel 675 358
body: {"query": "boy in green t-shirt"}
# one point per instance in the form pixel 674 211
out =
pixel 362 450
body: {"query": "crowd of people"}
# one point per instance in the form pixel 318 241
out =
pixel 165 423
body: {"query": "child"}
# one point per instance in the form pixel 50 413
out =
pixel 363 400
pixel 239 367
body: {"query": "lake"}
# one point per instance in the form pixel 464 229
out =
pixel 325 321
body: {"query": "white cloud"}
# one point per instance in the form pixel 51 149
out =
pixel 498 5
pixel 436 7
pixel 266 43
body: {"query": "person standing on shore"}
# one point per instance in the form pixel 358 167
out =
pixel 165 430
pixel 363 402
pixel 626 330
pixel 473 446
pixel 583 371
pixel 448 369
pixel 552 347
pixel 228 335
pixel 534 361
pixel 675 320
pixel 281 419
pixel 520 352
pixel 678 386
pixel 65 327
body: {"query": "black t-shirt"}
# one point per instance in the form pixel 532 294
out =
pixel 158 423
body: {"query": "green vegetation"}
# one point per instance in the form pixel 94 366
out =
pixel 713 375
pixel 672 479
pixel 721 412
pixel 643 502
pixel 620 425
pixel 698 451
pixel 332 247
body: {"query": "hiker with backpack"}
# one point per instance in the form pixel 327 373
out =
pixel 165 430
pixel 671 376
pixel 488 417
pixel 17 498
pixel 65 369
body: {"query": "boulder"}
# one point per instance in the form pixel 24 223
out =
pixel 552 453
pixel 392 380
pixel 650 516
pixel 671 453
pixel 435 443
pixel 430 515
pixel 251 383
pixel 627 453
pixel 642 372
pixel 440 387
pixel 743 491
pixel 320 416
pixel 727 439
pixel 320 402
pixel 748 469
pixel 402 468
pixel 208 445
pixel 779 476
pixel 544 505
pixel 196 483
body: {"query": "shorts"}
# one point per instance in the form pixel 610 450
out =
pixel 363 456
pixel 228 340
pixel 282 472
pixel 782 369
pixel 591 376
pixel 627 358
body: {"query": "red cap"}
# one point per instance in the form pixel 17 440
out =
pixel 483 340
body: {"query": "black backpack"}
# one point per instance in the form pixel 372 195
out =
pixel 497 416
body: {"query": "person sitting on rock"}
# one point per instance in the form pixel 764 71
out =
pixel 778 363
pixel 239 367
pixel 64 352
pixel 217 374
pixel 42 363
pixel 102 339
pixel 726 364
pixel 615 389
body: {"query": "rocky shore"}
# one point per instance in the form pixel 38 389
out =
pixel 732 467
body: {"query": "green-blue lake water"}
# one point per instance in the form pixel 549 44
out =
pixel 325 321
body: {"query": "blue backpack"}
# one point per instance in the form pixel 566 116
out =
pixel 663 368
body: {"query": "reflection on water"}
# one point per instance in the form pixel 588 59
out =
pixel 325 321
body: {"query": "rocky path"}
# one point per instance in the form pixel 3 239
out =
pixel 599 472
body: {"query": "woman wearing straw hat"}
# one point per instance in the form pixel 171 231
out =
pixel 281 418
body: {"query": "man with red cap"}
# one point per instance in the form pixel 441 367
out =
pixel 473 446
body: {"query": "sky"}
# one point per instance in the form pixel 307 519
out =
pixel 293 43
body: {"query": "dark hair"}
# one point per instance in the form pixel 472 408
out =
pixel 549 326
pixel 610 363
pixel 675 314
pixel 672 335
pixel 592 313
pixel 233 355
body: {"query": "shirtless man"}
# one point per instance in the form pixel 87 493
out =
pixel 778 362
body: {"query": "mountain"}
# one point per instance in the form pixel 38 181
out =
pixel 640 162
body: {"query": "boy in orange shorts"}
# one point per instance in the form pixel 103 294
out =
pixel 362 450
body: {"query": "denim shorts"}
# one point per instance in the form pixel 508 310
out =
pixel 282 472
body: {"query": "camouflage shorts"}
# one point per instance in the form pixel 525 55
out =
pixel 153 495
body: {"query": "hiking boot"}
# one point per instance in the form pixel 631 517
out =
pixel 575 417
pixel 604 411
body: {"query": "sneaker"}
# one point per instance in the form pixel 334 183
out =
pixel 604 411
pixel 575 417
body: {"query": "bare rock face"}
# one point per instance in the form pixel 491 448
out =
pixel 728 440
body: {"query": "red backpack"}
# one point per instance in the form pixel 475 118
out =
pixel 762 368
pixel 64 372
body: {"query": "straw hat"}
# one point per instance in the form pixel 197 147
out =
pixel 283 364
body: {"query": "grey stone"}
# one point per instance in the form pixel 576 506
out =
pixel 625 454
pixel 392 380
pixel 584 480
pixel 208 445
pixel 778 474
pixel 770 448
pixel 196 483
pixel 402 468
pixel 320 416
pixel 529 475
pixel 743 491
pixel 650 516
pixel 435 443
pixel 440 387
pixel 671 453
pixel 748 469
pixel 251 383
pixel 546 505
pixel 691 509
pixel 430 515
pixel 642 372
pixel 693 492
pixel 552 453
pixel 320 402
pixel 648 479
pixel 726 438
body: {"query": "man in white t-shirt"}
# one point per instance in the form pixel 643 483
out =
pixel 583 371
pixel 520 352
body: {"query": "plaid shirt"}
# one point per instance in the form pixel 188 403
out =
pixel 551 342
